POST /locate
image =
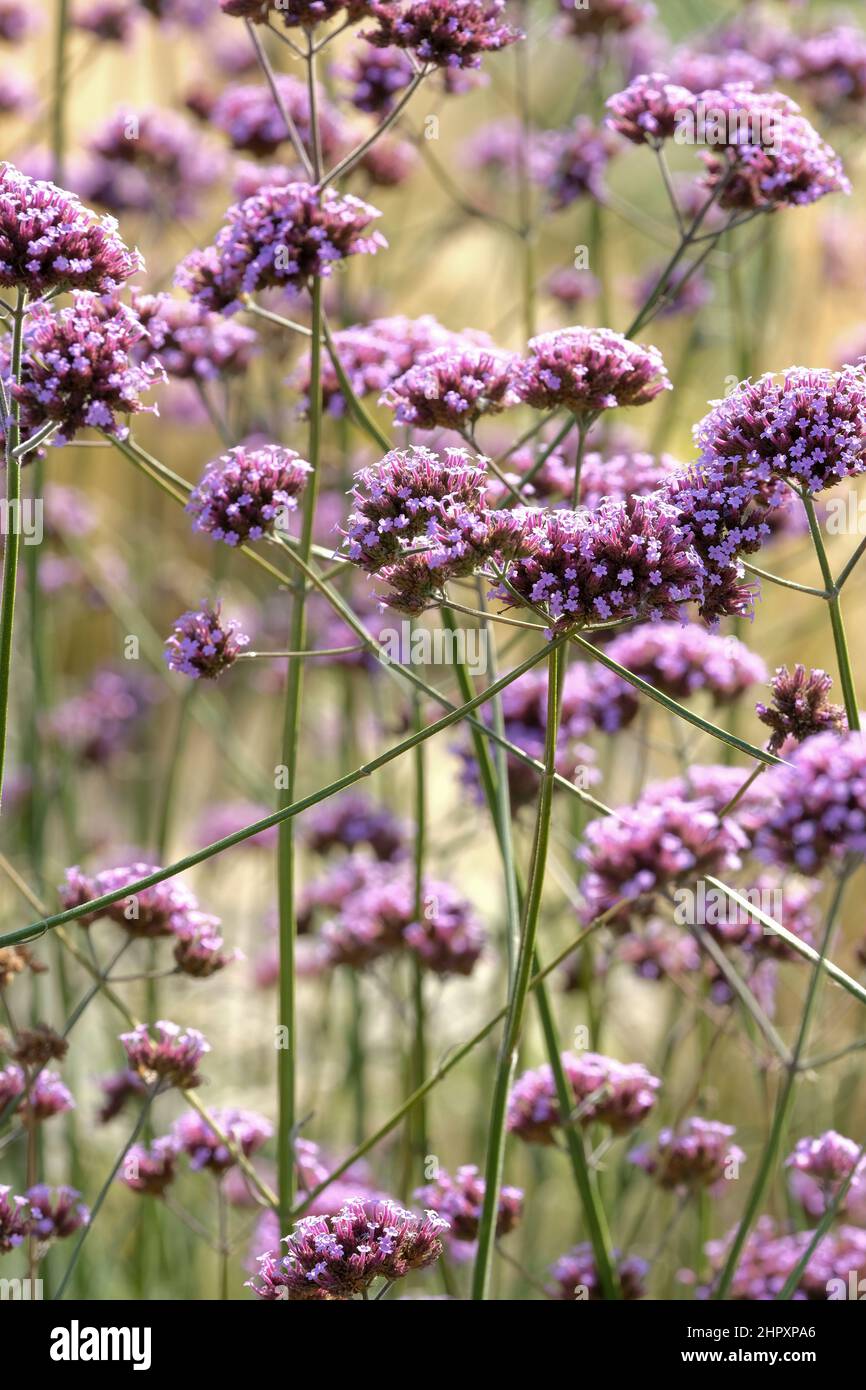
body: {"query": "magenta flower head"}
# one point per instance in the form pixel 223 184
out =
pixel 586 370
pixel 338 1257
pixel 247 493
pixel 451 388
pixel 155 911
pixel 199 946
pixel 56 1212
pixel 819 1166
pixel 17 21
pixel 170 1058
pixel 279 238
pixel 460 1199
pixel 111 21
pixel 149 1170
pixel 650 109
pixel 15 1222
pixel 252 120
pixel 205 1149
pixel 603 17
pixel 768 1258
pixel 624 562
pixel 203 645
pixel 117 1088
pixel 616 1094
pixel 348 821
pixel 800 707
pixel 443 33
pixel 683 660
pixel 48 1096
pixel 829 67
pixel 377 76
pixel 296 14
pixel 697 1155
pixel 191 343
pixel 809 427
pixel 820 810
pixel 49 241
pixel 448 938
pixel 154 159
pixel 574 1276
pixel 571 163
pixel 12 1083
pixel 77 369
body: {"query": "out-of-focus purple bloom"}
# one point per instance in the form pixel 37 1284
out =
pixel 586 370
pixel 112 21
pixel 252 121
pixel 174 164
pixel 377 77
pixel 700 70
pixel 347 821
pixel 17 94
pixel 451 388
pixel 338 1257
pixel 203 1146
pixel 699 1154
pixel 154 911
pixel 17 21
pixel 800 707
pixel 48 1096
pixel 820 810
pixel 682 660
pixel 619 1095
pixel 499 148
pixel 819 1166
pixel 829 66
pixel 172 1055
pixel 605 17
pixel 444 33
pixel 12 1083
pixel 117 1089
pixel 228 816
pixel 296 14
pixel 246 493
pixel 50 241
pixel 149 1170
pixel 571 288
pixel 687 291
pixel 192 343
pixel 571 163
pixel 14 1220
pixel 448 937
pixel 574 1276
pixel 459 1199
pixel 279 238
pixel 203 645
pixel 199 949
pixel 56 1211
pixel 389 162
pixel 101 722
pixel 769 1257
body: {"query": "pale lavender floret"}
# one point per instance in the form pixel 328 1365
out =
pixel 279 238
pixel 444 33
pixel 339 1257
pixel 15 1220
pixel 193 1136
pixel 48 1096
pixel 203 644
pixel 819 1166
pixel 586 370
pixel 49 240
pixel 820 811
pixel 698 1154
pixel 56 1212
pixel 460 1199
pixel 150 1169
pixel 619 1095
pixel 682 660
pixel 650 109
pixel 171 1056
pixel 451 388
pixel 246 493
pixel 575 1276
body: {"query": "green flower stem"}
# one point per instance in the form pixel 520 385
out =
pixel 520 988
pixel 840 641
pixel 784 1106
pixel 13 537
pixel 286 1053
pixel 584 425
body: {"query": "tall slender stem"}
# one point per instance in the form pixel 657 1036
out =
pixel 840 641
pixel 13 527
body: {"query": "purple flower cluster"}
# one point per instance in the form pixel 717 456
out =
pixel 17 21
pixel 56 1213
pixel 571 163
pixel 338 1257
pixel 586 370
pixel 619 1095
pixel 151 159
pixel 199 945
pixel 443 33
pixel 682 660
pixel 460 1199
pixel 604 17
pixel 111 21
pixel 351 820
pixel 799 707
pixel 769 1257
pixel 649 110
pixel 203 644
pixel 279 238
pixel 699 1154
pixel 575 1276
pixel 829 66
pixel 49 241
pixel 377 77
pixel 14 1220
pixel 155 911
pixel 819 1166
pixel 820 804
pixel 192 343
pixel 452 387
pixel 252 121
pixel 193 1136
pixel 296 14
pixel 246 492
pixel 150 1170
pixel 172 1057
pixel 48 1096
pixel 103 721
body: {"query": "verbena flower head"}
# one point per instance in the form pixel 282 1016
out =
pixel 351 820
pixel 800 707
pixel 191 343
pixel 389 162
pixel 12 1083
pixel 451 388
pixel 682 660
pixel 829 67
pixel 296 14
pixel 35 1046
pixel 252 121
pixel 603 17
pixel 703 71
pixel 377 76
pixel 575 1276
pixel 649 110
pixel 17 94
pixel 448 938
pixel 279 238
pixel 338 1257
pixel 193 1136
pixel 808 427
pixel 820 810
pixel 50 241
pixel 48 1096
pixel 819 1166
pixel 56 1212
pixel 698 1154
pixel 17 21
pixel 15 1221
pixel 117 1088
pixel 172 1056
pixel 769 1257
pixel 104 719
pixel 460 1199
pixel 112 21
pixel 612 1093
pixel 570 164
pixel 571 288
pixel 154 911
pixel 203 645
pixel 246 492
pixel 625 561
pixel 586 370
pixel 444 33
pixel 175 167
pixel 150 1169
pixel 199 946
pixel 77 369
